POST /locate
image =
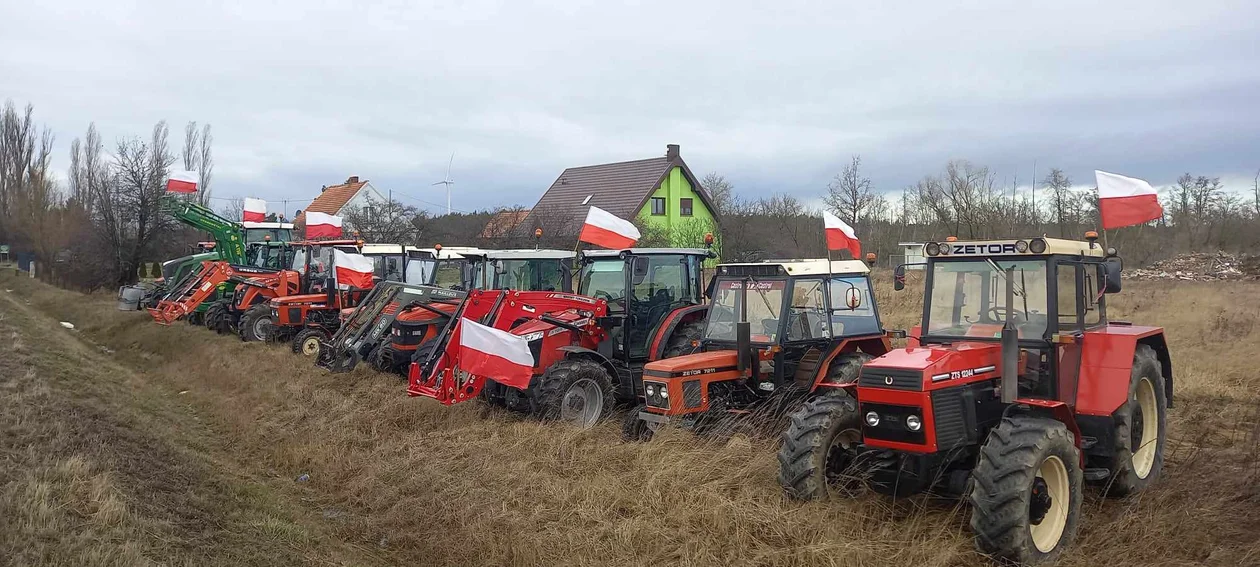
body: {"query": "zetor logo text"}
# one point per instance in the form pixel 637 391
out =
pixel 993 248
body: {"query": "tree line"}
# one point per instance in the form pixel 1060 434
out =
pixel 96 225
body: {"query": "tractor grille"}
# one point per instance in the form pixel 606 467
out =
pixel 295 316
pixel 891 378
pixel 892 423
pixel 691 394
pixel 950 415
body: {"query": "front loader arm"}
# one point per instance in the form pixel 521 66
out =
pixel 440 378
pixel 171 309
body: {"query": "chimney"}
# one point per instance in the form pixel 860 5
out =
pixel 671 151
pixel 352 179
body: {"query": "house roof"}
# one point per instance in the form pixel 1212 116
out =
pixel 333 198
pixel 503 222
pixel 620 188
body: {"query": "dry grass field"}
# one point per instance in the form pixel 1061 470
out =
pixel 126 443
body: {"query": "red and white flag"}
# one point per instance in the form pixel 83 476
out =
pixel 1125 201
pixel 494 354
pixel 603 228
pixel 255 210
pixel 322 225
pixel 352 270
pixel 182 182
pixel 840 235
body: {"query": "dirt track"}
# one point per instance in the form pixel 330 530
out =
pixel 126 443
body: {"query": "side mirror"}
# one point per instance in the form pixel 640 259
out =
pixel 899 277
pixel 1111 271
pixel 853 298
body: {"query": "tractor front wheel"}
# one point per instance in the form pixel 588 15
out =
pixel 1140 427
pixel 574 390
pixel 1026 491
pixel 819 450
pixel 256 324
pixel 635 429
pixel 215 314
pixel 308 342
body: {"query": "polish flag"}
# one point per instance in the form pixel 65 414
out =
pixel 1125 201
pixel 182 182
pixel 602 228
pixel 322 225
pixel 494 354
pixel 255 210
pixel 840 236
pixel 353 270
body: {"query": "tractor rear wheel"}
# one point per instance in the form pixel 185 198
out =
pixel 308 342
pixel 574 390
pixel 1140 427
pixel 1026 491
pixel 256 324
pixel 681 342
pixel 819 450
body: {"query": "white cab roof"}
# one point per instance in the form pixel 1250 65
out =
pixel 812 267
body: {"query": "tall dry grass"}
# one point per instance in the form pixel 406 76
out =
pixel 408 480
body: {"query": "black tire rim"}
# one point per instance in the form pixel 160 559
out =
pixel 840 457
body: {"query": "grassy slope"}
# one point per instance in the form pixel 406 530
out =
pixel 406 480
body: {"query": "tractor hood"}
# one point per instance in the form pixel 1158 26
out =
pixel 299 299
pixel 693 364
pixel 933 366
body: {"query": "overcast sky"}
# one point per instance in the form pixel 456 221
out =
pixel 774 95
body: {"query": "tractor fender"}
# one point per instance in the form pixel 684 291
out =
pixel 1052 409
pixel 875 345
pixel 574 351
pixel 1160 346
pixel 663 331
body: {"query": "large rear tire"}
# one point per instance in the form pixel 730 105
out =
pixel 1026 491
pixel 819 449
pixel 256 324
pixel 574 390
pixel 1141 427
pixel 682 341
pixel 215 314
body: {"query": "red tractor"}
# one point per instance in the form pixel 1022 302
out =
pixel 1015 390
pixel 776 333
pixel 319 302
pixel 653 309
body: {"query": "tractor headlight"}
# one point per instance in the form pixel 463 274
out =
pixel 872 419
pixel 1021 246
pixel 664 393
pixel 1037 246
pixel 913 423
pixel 651 390
pixel 932 249
pixel 945 247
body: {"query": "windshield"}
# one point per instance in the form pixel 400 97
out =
pixel 536 275
pixel 605 279
pixel 450 273
pixel 261 234
pixel 420 270
pixel 765 303
pixel 968 298
pixel 388 267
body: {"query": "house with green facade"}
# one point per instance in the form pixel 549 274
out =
pixel 661 195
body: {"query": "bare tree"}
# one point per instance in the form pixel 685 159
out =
pixel 233 208
pixel 1062 200
pixel 196 156
pixel 386 221
pixel 849 194
pixel 720 192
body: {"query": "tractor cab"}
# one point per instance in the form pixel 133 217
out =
pixel 786 327
pixel 267 253
pixel 452 267
pixel 267 231
pixel 1014 390
pixel 643 286
pixel 398 263
pixel 525 270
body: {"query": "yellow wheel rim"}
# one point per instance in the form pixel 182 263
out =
pixel 1144 449
pixel 310 346
pixel 1047 533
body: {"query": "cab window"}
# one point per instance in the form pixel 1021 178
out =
pixel 605 279
pixel 847 320
pixel 807 316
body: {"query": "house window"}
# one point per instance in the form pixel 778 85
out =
pixel 658 206
pixel 684 207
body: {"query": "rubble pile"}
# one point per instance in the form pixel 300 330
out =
pixel 1200 267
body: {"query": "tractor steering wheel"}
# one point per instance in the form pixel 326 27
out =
pixel 999 313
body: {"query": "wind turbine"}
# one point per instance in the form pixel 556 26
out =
pixel 447 182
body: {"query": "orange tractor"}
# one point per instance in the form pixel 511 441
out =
pixel 776 333
pixel 1015 390
pixel 256 279
pixel 319 299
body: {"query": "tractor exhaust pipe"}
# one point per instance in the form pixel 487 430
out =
pixel 1010 344
pixel 743 330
